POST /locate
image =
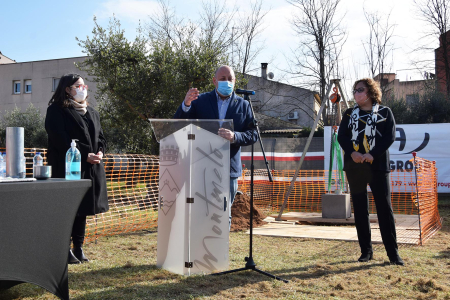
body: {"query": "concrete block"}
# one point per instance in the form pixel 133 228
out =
pixel 336 206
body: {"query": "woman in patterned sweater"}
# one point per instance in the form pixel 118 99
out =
pixel 365 134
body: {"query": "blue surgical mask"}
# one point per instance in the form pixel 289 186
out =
pixel 225 88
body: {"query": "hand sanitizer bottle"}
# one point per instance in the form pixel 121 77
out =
pixel 73 162
pixel 37 161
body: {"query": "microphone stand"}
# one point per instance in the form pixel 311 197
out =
pixel 250 263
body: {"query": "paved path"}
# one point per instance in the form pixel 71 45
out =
pixel 311 225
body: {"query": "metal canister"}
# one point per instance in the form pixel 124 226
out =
pixel 14 151
pixel 42 172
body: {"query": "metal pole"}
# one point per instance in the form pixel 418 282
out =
pixel 417 196
pixel 324 101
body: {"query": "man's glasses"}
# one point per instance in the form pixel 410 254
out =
pixel 359 90
pixel 80 87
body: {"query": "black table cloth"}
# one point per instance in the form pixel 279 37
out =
pixel 36 221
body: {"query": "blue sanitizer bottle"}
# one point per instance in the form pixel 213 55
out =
pixel 73 162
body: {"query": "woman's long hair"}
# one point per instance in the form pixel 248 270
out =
pixel 61 97
pixel 373 88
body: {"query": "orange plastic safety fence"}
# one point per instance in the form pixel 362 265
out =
pixel 132 182
pixel 305 195
pixel 310 185
pixel 426 198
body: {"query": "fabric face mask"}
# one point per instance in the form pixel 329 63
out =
pixel 80 96
pixel 225 88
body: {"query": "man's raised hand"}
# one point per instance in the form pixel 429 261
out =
pixel 191 95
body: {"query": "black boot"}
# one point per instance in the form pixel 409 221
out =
pixel 396 260
pixel 394 257
pixel 79 254
pixel 365 257
pixel 72 259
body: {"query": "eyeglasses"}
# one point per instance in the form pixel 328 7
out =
pixel 359 90
pixel 80 86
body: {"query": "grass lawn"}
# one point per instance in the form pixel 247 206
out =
pixel 123 267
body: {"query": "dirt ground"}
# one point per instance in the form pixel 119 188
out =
pixel 240 213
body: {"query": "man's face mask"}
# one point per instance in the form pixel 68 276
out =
pixel 225 88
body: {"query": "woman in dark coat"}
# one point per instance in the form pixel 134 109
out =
pixel 365 134
pixel 70 117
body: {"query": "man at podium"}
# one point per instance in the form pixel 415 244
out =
pixel 223 103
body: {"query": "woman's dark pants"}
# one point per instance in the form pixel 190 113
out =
pixel 78 231
pixel 379 182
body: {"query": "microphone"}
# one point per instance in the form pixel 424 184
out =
pixel 244 92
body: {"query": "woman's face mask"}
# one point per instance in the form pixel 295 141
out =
pixel 81 95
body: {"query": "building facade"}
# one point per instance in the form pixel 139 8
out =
pixel 406 90
pixel 35 82
pixel 289 103
pixel 441 61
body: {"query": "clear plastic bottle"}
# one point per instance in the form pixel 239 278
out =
pixel 23 167
pixel 73 162
pixel 2 166
pixel 4 163
pixel 37 161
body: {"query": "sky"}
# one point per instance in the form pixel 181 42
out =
pixel 46 29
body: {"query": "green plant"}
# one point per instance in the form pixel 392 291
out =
pixel 146 78
pixel 429 107
pixel 32 122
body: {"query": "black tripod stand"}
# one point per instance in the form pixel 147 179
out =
pixel 250 263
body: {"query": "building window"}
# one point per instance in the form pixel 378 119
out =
pixel 27 86
pixel 16 87
pixel 55 84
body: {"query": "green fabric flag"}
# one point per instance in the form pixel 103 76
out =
pixel 335 148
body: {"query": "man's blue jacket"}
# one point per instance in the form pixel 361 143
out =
pixel 205 107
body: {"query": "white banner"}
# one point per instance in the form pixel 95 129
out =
pixel 430 141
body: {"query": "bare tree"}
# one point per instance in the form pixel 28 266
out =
pixel 436 14
pixel 165 28
pixel 246 41
pixel 239 37
pixel 379 45
pixel 321 43
pixel 216 24
pixel 218 28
